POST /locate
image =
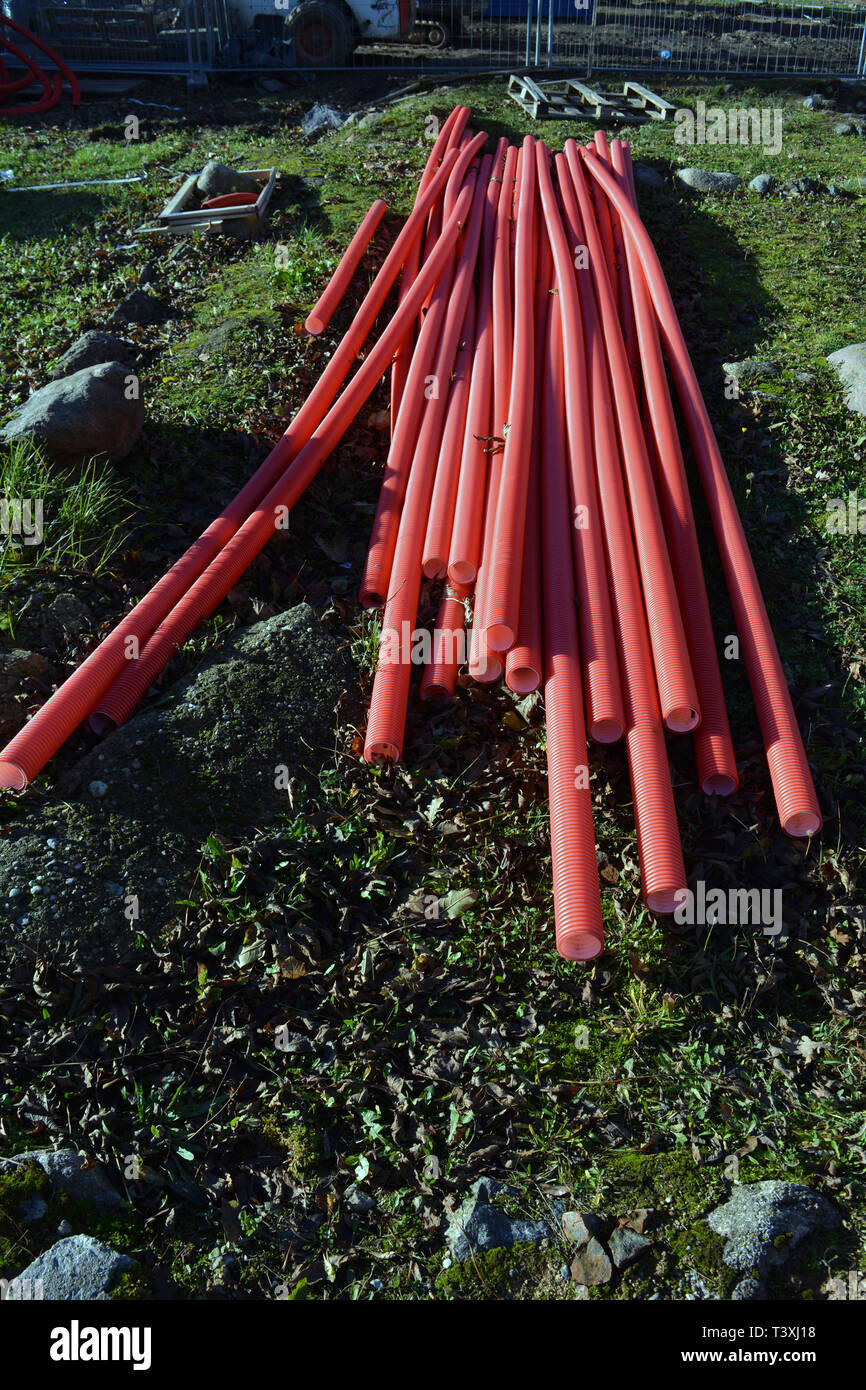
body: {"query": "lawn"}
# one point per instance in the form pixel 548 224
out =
pixel 450 1041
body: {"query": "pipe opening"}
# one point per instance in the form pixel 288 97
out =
pixel 12 777
pixel 579 945
pixel 664 900
pixel 682 719
pixel 719 784
pixel 802 823
pixel 500 637
pixel 461 572
pixel 523 680
pixel 102 723
pixel 606 731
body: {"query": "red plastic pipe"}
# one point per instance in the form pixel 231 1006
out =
pixel 51 87
pixel 421 379
pixel 465 551
pixel 576 899
pixel 794 790
pixel 31 748
pixel 323 310
pixel 524 670
pixel 49 52
pixel 439 680
pixel 659 848
pixel 387 717
pixel 440 520
pixel 621 280
pixel 451 130
pixel 676 683
pixel 485 664
pixel 714 750
pixel 154 607
pixel 603 690
pixel 503 592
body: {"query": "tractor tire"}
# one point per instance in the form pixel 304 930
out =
pixel 323 34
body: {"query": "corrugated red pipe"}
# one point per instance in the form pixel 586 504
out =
pixel 323 310
pixel 794 790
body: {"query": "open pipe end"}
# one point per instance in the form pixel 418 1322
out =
pixel 436 690
pixel 719 784
pixel 664 900
pixel 800 824
pixel 381 754
pixel 579 945
pixel 606 731
pixel 523 680
pixel 435 568
pixel 461 572
pixel 368 598
pixel 102 723
pixel 682 720
pixel 12 777
pixel 314 325
pixel 487 672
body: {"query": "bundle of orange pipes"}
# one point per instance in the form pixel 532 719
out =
pixel 534 466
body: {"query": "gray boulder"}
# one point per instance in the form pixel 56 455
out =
pixel 67 1173
pixel 709 180
pixel 86 415
pixel 481 1223
pixel 626 1246
pixel 816 102
pixel 76 1268
pixel 763 184
pixel 89 349
pixel 216 179
pixel 93 871
pixel 762 1225
pixel 802 188
pixel 849 364
pixel 138 307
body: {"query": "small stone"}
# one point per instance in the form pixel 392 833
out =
pixel 816 102
pixel 763 184
pixel 138 307
pixel 580 1226
pixel 216 179
pixel 845 128
pixel 480 1224
pixel 750 369
pixel 591 1265
pixel 626 1246
pixel 98 789
pixel 646 175
pixel 32 1209
pixel 78 1267
pixel 321 118
pixel 709 180
pixel 802 188
pixel 357 1201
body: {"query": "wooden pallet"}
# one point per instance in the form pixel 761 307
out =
pixel 574 100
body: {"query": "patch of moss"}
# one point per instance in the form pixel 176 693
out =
pixel 300 1145
pixel 514 1273
pixel 699 1248
pixel 17 1236
pixel 664 1181
pixel 131 1286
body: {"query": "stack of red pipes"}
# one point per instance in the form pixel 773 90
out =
pixel 535 467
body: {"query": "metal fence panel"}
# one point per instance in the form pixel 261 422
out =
pixel 704 37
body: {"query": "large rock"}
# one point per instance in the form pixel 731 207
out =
pixel 68 1172
pixel 86 415
pixel 123 833
pixel 764 1223
pixel 89 349
pixel 849 364
pixel 76 1268
pixel 481 1223
pixel 139 307
pixel 709 180
pixel 216 179
pixel 648 177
